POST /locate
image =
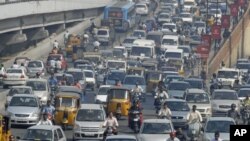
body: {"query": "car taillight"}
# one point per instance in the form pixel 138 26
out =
pixel 22 76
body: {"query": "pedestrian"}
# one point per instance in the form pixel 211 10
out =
pixel 216 136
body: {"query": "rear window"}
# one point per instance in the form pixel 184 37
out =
pixel 14 71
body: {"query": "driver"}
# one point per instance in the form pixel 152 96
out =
pixel 49 109
pixel 111 121
pixel 165 112
pixel 44 120
pixel 194 116
pixel 137 88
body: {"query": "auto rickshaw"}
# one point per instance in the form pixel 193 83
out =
pixel 152 79
pixel 118 101
pixel 148 65
pixel 136 70
pixel 66 105
pixel 5 133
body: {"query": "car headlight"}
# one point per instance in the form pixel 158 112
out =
pixel 77 127
pixel 35 115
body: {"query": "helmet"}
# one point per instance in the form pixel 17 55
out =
pixel 233 105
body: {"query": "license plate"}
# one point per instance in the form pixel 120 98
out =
pixel 89 134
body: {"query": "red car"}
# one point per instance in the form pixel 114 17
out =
pixel 56 57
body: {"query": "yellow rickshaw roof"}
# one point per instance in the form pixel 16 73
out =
pixel 67 94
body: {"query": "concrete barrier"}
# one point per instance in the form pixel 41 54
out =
pixel 236 46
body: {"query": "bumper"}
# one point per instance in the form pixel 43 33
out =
pixel 88 135
pixel 24 121
pixel 14 82
pixel 33 74
pixel 179 122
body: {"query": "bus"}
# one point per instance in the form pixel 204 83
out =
pixel 121 15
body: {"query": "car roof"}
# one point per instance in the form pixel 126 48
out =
pixel 180 82
pixel 91 106
pixel 105 86
pixel 134 76
pixel 196 91
pixel 174 76
pixel 122 137
pixel 175 100
pixel 223 90
pixel 28 87
pixel 228 69
pixel 61 74
pixel 45 127
pixel 220 119
pixel 156 121
pixel 73 70
pixel 121 71
pixel 67 94
pixel 37 79
pixel 193 79
pixel 245 88
pixel 24 95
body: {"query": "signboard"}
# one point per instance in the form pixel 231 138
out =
pixel 206 39
pixel 234 9
pixel 241 3
pixel 225 21
pixel 216 32
pixel 203 51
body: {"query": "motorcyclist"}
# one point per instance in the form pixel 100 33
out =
pixel 236 85
pixel 2 70
pixel 111 121
pixel 139 63
pixel 135 107
pixel 49 110
pixel 194 116
pixel 163 93
pixel 54 50
pixel 78 85
pixel 23 67
pixel 173 137
pixel 38 75
pixel 246 101
pixel 165 112
pixel 44 120
pixel 181 135
pixel 137 88
pixel 214 83
pixel 233 113
pixel 52 80
pixel 64 80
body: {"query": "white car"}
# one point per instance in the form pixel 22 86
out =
pixel 200 26
pixel 14 76
pixel 169 27
pixel 121 138
pixel 34 67
pixel 216 13
pixel 164 18
pixel 101 96
pixel 24 109
pixel 186 17
pixel 45 133
pixel 18 90
pixel 155 130
pixel 90 79
pixel 141 9
pixel 40 88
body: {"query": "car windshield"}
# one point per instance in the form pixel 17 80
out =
pixel 243 93
pixel 189 3
pixel 76 75
pixel 195 84
pixel 19 91
pixel 35 64
pixel 224 96
pixel 134 80
pixel 128 41
pixel 153 76
pixel 88 74
pixel 243 66
pixel 169 42
pixel 118 94
pixel 166 16
pixel 185 15
pixel 90 115
pixel 117 53
pixel 14 71
pixel 156 128
pixel 139 34
pixel 85 67
pixel 102 32
pixel 114 65
pixel 173 55
pixel 177 106
pixel 197 98
pixel 70 79
pixel 178 86
pixel 141 51
pixel 37 85
pixel 66 102
pixel 103 91
pixel 38 134
pixel 227 74
pixel 170 79
pixel 116 75
pixel 185 49
pixel 23 101
pixel 93 59
pixel 220 126
pixel 196 38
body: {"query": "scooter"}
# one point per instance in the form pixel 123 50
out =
pixel 194 129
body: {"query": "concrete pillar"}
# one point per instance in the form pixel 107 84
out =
pixel 40 33
pixel 17 37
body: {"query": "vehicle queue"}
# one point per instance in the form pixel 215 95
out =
pixel 156 59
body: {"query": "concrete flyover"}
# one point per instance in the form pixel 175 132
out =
pixel 236 46
pixel 35 20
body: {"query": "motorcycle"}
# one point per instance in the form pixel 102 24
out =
pixel 109 132
pixel 194 129
pixel 246 115
pixel 135 123
pixel 159 100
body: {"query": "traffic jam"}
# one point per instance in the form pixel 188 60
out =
pixel 141 75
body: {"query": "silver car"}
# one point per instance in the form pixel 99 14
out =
pixel 24 109
pixel 130 81
pixel 220 124
pixel 176 89
pixel 34 67
pixel 40 88
pixel 221 101
pixel 179 109
pixel 155 130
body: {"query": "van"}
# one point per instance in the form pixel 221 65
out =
pixel 88 122
pixel 170 42
pixel 143 49
pixel 174 53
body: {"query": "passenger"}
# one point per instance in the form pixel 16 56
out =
pixel 49 110
pixel 246 101
pixel 181 135
pixel 54 50
pixel 52 80
pixel 165 112
pixel 194 116
pixel 78 85
pixel 2 70
pixel 111 121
